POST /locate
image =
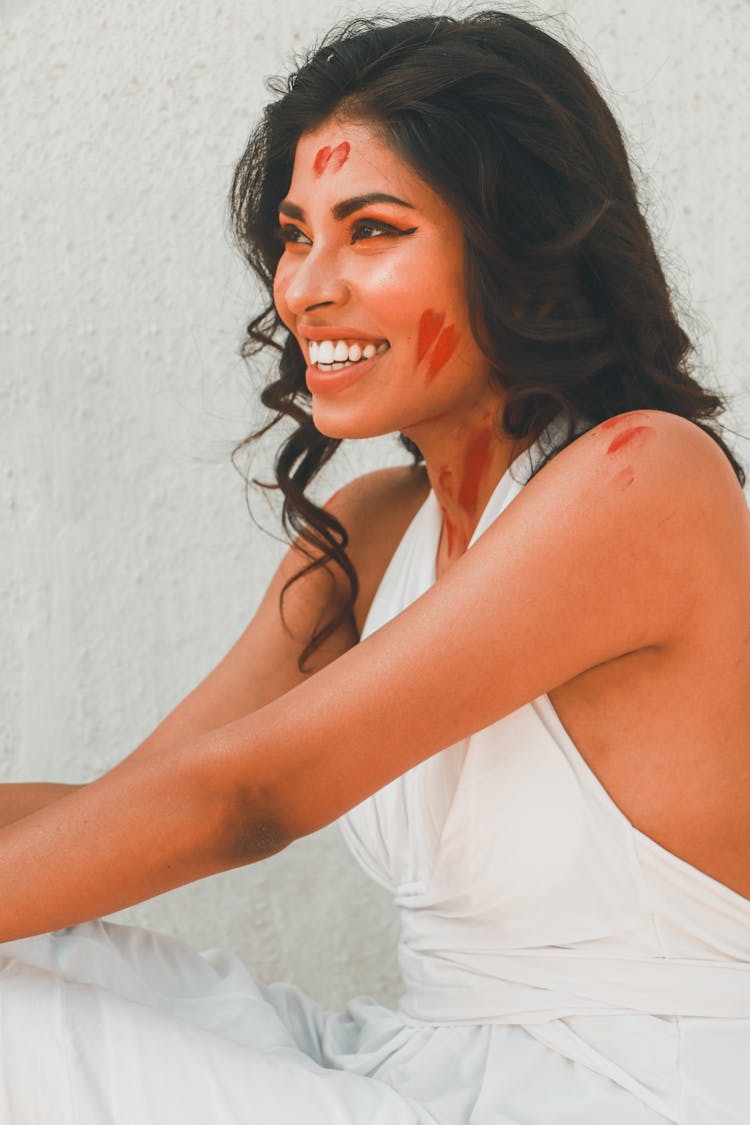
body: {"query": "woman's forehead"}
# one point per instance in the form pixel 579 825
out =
pixel 356 154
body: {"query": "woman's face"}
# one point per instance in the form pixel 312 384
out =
pixel 373 261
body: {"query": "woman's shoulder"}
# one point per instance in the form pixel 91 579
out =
pixel 375 510
pixel 653 487
pixel 669 459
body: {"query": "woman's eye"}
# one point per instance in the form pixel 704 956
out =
pixel 289 233
pixel 362 230
pixel 368 228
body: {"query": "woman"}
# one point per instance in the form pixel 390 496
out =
pixel 518 670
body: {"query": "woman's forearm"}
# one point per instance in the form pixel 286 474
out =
pixel 20 798
pixel 143 828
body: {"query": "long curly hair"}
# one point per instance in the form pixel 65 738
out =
pixel 566 294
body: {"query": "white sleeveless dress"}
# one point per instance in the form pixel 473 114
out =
pixel 560 968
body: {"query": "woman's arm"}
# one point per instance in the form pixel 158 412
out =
pixel 596 558
pixel 260 667
pixel 19 798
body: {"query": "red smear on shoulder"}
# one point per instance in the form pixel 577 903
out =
pixel 620 419
pixel 475 466
pixel 430 324
pixel 624 478
pixel 626 437
pixel 443 350
pixel 321 160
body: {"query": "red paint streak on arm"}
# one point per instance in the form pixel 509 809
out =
pixel 477 461
pixel 625 438
pixel 321 160
pixel 340 155
pixel 442 351
pixel 430 324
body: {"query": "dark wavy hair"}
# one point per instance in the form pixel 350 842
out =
pixel 503 121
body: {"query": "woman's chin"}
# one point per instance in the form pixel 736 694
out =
pixel 352 427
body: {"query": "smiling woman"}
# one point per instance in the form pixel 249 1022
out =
pixel 529 708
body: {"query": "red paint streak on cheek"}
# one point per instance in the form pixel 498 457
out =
pixel 477 462
pixel 321 160
pixel 624 478
pixel 442 351
pixel 430 324
pixel 625 438
pixel 340 155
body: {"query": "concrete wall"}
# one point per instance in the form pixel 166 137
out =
pixel 129 563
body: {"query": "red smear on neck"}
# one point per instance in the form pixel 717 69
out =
pixel 475 466
pixel 450 532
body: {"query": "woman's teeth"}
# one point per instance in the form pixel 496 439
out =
pixel 331 355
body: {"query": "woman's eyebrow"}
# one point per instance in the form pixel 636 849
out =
pixel 346 207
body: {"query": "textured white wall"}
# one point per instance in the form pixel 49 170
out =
pixel 129 564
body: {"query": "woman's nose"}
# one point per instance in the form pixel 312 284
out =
pixel 316 280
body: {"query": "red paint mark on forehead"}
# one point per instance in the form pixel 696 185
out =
pixel 442 351
pixel 336 157
pixel 340 155
pixel 475 466
pixel 322 157
pixel 430 324
pixel 627 436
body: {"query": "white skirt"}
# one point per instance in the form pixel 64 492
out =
pixel 104 1024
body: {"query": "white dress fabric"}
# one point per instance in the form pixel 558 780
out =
pixel 560 968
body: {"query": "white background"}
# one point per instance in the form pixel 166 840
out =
pixel 129 561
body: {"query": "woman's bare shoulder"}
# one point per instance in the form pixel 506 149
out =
pixel 669 456
pixel 376 509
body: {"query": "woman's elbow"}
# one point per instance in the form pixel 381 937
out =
pixel 251 831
